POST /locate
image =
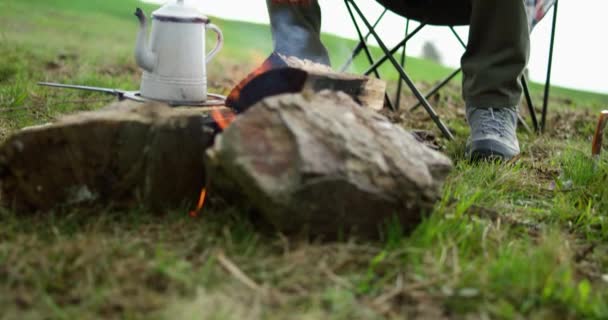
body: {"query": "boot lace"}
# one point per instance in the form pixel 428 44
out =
pixel 493 121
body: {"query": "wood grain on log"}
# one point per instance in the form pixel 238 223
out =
pixel 321 164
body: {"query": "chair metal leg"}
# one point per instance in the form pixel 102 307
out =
pixel 359 47
pixel 396 48
pixel 388 55
pixel 444 129
pixel 362 39
pixel 464 45
pixel 353 55
pixel 449 78
pixel 363 42
pixel 531 110
pixel 524 124
pixel 438 87
pixel 549 68
pixel 403 57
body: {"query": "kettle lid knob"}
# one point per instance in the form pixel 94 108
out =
pixel 179 11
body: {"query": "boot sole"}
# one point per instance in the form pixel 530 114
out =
pixel 482 150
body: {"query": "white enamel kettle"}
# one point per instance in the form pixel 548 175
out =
pixel 175 59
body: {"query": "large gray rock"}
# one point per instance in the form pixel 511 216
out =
pixel 323 165
pixel 126 154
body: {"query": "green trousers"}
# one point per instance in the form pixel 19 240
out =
pixel 496 56
pixel 497 53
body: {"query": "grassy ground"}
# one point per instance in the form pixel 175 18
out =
pixel 520 240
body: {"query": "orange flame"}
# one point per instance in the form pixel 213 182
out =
pixel 223 119
pixel 235 95
pixel 200 205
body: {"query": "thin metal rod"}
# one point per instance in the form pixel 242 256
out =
pixel 524 124
pixel 360 34
pixel 364 45
pixel 352 57
pixel 464 45
pixel 531 110
pixel 403 60
pixel 444 129
pixel 359 46
pixel 549 68
pixel 377 22
pixel 80 87
pixel 379 63
pixel 445 81
pixel 437 87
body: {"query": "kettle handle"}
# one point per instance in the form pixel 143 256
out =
pixel 220 41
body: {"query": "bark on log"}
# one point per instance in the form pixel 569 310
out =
pixel 293 75
pixel 124 154
pixel 320 164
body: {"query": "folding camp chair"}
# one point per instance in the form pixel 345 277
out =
pixel 456 15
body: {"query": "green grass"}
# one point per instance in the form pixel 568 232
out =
pixel 526 240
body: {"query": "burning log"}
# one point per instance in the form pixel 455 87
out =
pixel 293 75
pixel 314 162
pixel 319 163
pixel 125 154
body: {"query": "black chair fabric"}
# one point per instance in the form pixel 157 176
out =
pixel 433 12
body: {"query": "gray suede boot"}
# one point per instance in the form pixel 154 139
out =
pixel 296 29
pixel 493 133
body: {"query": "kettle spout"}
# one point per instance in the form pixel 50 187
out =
pixel 146 59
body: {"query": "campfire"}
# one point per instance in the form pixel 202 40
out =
pixel 309 152
pixel 200 204
pixel 222 118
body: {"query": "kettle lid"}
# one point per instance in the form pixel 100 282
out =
pixel 179 12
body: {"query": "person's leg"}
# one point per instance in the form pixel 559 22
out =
pixel 496 57
pixel 296 29
pixel 497 53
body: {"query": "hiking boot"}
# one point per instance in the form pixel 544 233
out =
pixel 493 133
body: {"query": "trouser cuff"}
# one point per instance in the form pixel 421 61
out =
pixel 490 101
